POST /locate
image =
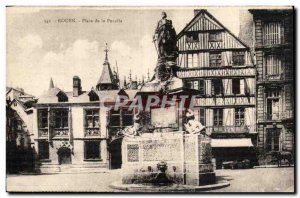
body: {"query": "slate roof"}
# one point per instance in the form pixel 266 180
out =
pixel 107 76
pixel 50 96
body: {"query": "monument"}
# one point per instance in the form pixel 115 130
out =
pixel 174 152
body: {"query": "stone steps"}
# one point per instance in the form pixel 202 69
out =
pixel 73 168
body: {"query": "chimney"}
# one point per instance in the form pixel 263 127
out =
pixel 76 86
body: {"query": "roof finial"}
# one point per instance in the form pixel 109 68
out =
pixel 51 84
pixel 125 83
pixel 143 79
pixel 106 50
pixel 148 75
pixel 130 75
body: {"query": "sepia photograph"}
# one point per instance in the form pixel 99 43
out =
pixel 189 99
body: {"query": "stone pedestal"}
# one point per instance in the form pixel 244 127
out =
pixel 188 158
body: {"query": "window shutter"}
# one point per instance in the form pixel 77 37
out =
pixel 212 88
pixel 208 87
pixel 224 61
pixel 39 119
pixel 242 86
pixel 209 117
pixel 226 116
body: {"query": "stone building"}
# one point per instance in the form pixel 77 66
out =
pixel 218 64
pixel 72 133
pixel 274 37
pixel 19 113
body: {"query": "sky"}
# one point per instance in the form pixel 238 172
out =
pixel 61 42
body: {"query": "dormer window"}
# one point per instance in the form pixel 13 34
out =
pixel 93 96
pixel 192 37
pixel 62 97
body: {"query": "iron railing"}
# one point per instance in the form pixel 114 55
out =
pixel 288 114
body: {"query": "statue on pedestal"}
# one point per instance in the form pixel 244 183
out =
pixel 134 130
pixel 193 126
pixel 165 36
pixel 165 43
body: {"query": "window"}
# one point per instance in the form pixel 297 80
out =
pixel 273 109
pixel 202 116
pixel 239 116
pixel 215 36
pixel 61 119
pixel 92 150
pixel 238 58
pixel 236 86
pixel 43 147
pixel 192 37
pixel 92 118
pixel 273 93
pixel 273 105
pixel 216 87
pixel 115 118
pixel 93 96
pixel 62 97
pixel 272 33
pixel 127 117
pixel 121 118
pixel 218 117
pixel 43 118
pixel 215 59
pixel 272 139
pixel 273 64
pixel 198 85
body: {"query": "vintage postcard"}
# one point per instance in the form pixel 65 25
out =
pixel 150 99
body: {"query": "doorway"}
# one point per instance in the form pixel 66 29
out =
pixel 115 149
pixel 64 155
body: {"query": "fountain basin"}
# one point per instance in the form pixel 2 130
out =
pixel 187 157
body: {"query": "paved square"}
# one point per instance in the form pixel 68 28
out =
pixel 248 180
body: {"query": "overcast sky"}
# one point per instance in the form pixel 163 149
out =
pixel 38 49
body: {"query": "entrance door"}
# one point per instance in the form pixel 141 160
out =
pixel 115 153
pixel 64 155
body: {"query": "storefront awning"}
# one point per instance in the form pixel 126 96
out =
pixel 232 142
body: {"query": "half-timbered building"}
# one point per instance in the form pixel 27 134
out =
pixel 218 64
pixel 275 79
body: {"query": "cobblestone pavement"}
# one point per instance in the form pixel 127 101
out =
pixel 258 180
pixel 250 180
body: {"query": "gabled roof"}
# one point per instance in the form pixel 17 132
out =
pixel 9 89
pixel 51 95
pixel 25 105
pixel 213 20
pixel 23 94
